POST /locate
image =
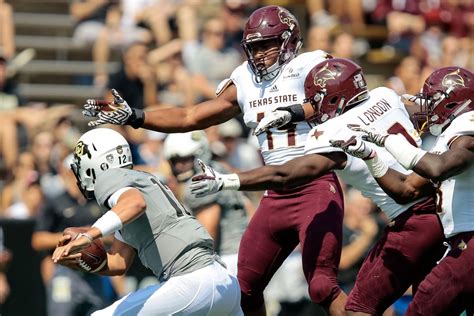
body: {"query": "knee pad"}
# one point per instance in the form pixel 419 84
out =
pixel 323 290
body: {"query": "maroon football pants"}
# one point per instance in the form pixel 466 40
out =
pixel 311 215
pixel 449 288
pixel 406 252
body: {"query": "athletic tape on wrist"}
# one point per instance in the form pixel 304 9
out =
pixel 376 166
pixel 108 223
pixel 231 181
pixel 404 152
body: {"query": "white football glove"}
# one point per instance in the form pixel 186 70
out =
pixel 371 135
pixel 118 112
pixel 211 181
pixel 354 146
pixel 276 118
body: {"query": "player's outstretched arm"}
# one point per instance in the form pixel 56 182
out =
pixel 167 120
pixel 293 173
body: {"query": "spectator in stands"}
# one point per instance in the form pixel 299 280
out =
pixel 234 17
pixel 359 234
pixel 106 24
pixel 173 78
pixel 318 37
pixel 5 258
pixel 92 17
pixel 7 31
pixel 22 196
pixel 69 292
pixel 208 60
pixel 332 13
pixel 406 78
pixel 135 80
pixel 9 97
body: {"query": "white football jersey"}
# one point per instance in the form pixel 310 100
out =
pixel 456 195
pixel 383 111
pixel 258 98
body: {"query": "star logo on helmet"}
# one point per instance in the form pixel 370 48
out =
pixel 453 79
pixel 323 75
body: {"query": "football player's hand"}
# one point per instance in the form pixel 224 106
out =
pixel 354 146
pixel 118 112
pixel 66 251
pixel 209 182
pixel 276 118
pixel 370 135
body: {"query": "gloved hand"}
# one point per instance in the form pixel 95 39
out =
pixel 211 181
pixel 280 117
pixel 354 146
pixel 371 135
pixel 118 112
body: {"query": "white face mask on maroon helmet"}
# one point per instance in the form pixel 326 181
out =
pixel 271 23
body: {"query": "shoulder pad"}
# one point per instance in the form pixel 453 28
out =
pixel 223 85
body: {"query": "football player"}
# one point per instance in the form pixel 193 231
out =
pixel 224 215
pixel 146 218
pixel 446 110
pixel 272 76
pixel 337 93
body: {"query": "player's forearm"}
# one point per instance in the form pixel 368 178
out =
pixel 395 185
pixel 119 259
pixel 442 167
pixel 274 177
pixel 179 119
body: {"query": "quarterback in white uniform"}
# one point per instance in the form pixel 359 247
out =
pixel 337 90
pixel 446 111
pixel 271 77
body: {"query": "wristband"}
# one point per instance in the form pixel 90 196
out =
pixel 404 152
pixel 296 111
pixel 137 118
pixel 376 166
pixel 108 223
pixel 231 181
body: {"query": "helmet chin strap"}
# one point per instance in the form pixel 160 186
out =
pixel 437 129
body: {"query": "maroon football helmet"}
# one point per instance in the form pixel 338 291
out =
pixel 333 87
pixel 447 93
pixel 271 23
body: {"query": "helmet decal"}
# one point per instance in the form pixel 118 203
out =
pixel 323 75
pixel 285 18
pixel 453 79
pixel 81 149
pixel 109 158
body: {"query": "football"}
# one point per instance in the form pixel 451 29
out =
pixel 94 257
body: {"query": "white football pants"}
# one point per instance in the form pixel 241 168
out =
pixel 209 291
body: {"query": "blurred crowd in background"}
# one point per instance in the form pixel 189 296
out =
pixel 174 53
